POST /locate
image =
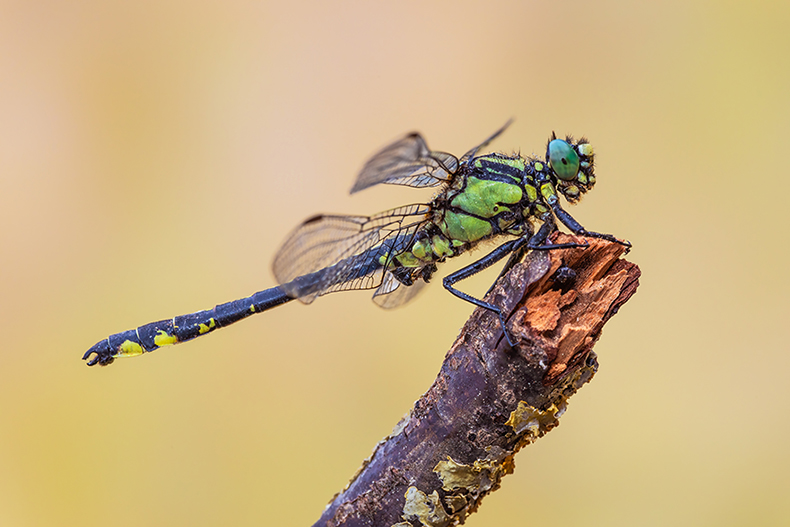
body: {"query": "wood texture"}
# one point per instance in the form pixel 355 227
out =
pixel 489 400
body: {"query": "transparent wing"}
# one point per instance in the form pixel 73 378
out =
pixel 470 154
pixel 407 162
pixel 392 293
pixel 335 253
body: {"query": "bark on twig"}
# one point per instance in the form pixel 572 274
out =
pixel 489 400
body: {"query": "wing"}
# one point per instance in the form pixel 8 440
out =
pixel 470 154
pixel 335 253
pixel 407 162
pixel 391 293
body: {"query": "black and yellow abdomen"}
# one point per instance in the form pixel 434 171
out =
pixel 151 336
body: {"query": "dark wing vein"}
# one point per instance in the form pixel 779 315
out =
pixel 407 162
pixel 391 293
pixel 334 253
pixel 473 152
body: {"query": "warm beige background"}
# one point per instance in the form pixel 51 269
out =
pixel 153 155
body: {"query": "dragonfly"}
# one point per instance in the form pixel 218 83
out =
pixel 495 197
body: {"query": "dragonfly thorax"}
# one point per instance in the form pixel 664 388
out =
pixel 482 197
pixel 491 195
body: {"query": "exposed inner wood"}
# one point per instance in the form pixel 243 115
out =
pixel 490 400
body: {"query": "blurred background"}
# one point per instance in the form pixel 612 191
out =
pixel 154 155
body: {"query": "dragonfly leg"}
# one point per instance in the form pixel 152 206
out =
pixel 536 242
pixel 514 248
pixel 577 228
pixel 474 268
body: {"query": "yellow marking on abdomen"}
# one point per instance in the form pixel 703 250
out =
pixel 162 338
pixel 203 328
pixel 129 349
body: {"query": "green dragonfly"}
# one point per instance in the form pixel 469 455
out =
pixel 509 198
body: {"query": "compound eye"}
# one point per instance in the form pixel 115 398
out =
pixel 563 159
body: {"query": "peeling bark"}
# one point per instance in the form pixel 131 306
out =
pixel 489 400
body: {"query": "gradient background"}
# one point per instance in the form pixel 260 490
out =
pixel 153 156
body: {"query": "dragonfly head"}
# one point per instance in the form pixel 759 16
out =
pixel 572 164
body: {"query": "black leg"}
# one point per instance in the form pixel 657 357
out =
pixel 576 227
pixel 536 242
pixel 474 268
pixel 514 247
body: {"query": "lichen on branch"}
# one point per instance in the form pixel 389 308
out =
pixel 490 400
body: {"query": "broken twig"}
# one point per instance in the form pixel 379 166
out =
pixel 489 400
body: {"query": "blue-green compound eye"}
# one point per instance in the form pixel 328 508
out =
pixel 563 159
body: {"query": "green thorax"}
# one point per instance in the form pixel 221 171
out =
pixel 491 195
